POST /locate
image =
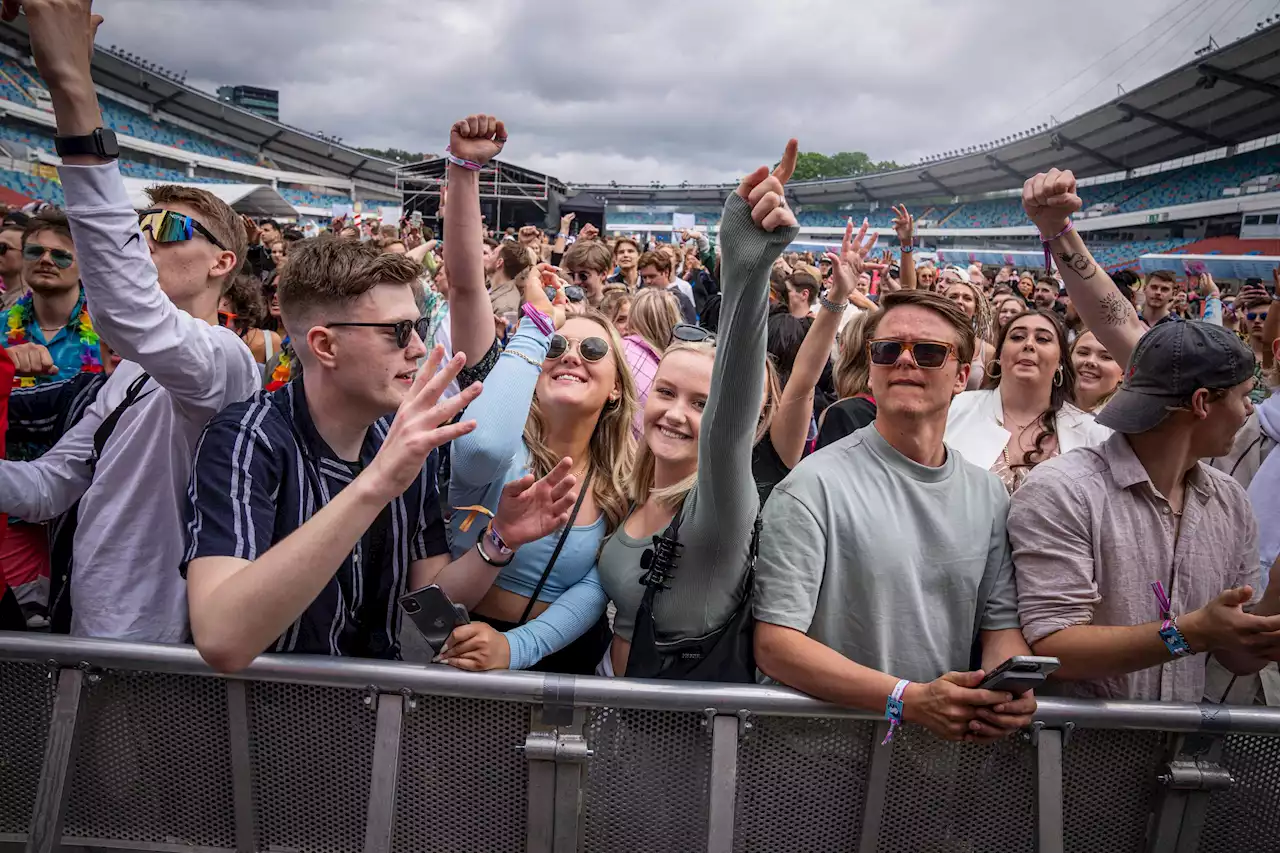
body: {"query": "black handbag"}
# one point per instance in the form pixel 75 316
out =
pixel 725 654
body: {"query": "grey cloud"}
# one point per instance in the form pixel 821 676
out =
pixel 686 90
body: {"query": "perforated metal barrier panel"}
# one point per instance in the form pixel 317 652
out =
pixel 26 701
pixel 312 753
pixel 801 784
pixel 462 777
pixel 646 785
pixel 153 763
pixel 1108 784
pixel 944 797
pixel 1246 817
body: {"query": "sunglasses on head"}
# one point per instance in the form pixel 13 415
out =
pixel 691 334
pixel 165 226
pixel 404 329
pixel 61 257
pixel 591 349
pixel 929 355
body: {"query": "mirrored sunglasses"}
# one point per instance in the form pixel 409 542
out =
pixel 166 226
pixel 61 257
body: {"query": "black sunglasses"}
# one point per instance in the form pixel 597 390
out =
pixel 62 259
pixel 404 329
pixel 1256 315
pixel 575 293
pixel 581 276
pixel 929 355
pixel 692 334
pixel 591 349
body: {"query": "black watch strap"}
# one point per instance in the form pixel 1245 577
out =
pixel 100 143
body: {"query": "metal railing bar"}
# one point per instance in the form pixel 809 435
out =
pixel 723 783
pixel 380 822
pixel 78 843
pixel 54 787
pixel 528 688
pixel 241 765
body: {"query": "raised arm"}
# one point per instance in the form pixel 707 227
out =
pixel 904 224
pixel 1050 200
pixel 756 227
pixel 476 139
pixel 790 425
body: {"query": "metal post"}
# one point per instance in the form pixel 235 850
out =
pixel 724 783
pixel 1189 778
pixel 571 755
pixel 241 765
pixel 59 758
pixel 877 780
pixel 541 804
pixel 1050 826
pixel 386 773
pixel 556 751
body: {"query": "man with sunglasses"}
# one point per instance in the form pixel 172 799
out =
pixel 884 567
pixel 11 230
pixel 588 264
pixel 155 292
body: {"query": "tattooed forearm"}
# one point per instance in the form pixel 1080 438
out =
pixel 1115 309
pixel 1079 263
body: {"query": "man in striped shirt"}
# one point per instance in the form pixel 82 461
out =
pixel 310 511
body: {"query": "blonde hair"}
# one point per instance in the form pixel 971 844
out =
pixel 612 447
pixel 983 315
pixel 654 313
pixel 642 474
pixel 853 366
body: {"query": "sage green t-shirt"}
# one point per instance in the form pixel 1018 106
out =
pixel 893 564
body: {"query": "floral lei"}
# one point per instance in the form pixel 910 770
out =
pixel 23 314
pixel 280 375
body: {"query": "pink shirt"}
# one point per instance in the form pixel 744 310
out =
pixel 643 360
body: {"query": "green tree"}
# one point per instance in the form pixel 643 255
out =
pixel 812 166
pixel 397 154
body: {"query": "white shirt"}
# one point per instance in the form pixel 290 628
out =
pixel 130 537
pixel 975 427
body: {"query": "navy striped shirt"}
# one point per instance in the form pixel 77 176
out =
pixel 262 471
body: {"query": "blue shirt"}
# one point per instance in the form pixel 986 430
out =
pixel 262 471
pixel 64 347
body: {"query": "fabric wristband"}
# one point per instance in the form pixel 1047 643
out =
pixel 542 321
pixel 1173 639
pixel 1048 255
pixel 458 161
pixel 893 709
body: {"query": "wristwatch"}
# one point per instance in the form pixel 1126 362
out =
pixel 907 249
pixel 101 143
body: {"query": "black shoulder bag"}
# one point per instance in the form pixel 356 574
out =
pixel 725 654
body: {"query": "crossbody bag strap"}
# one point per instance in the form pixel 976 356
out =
pixel 108 425
pixel 564 536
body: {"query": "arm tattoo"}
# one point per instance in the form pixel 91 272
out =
pixel 1079 264
pixel 1115 309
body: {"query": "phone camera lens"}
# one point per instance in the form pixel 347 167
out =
pixel 411 606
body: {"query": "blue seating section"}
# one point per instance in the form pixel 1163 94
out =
pixel 1115 256
pixel 305 198
pixel 29 136
pixel 14 81
pixel 990 213
pixel 33 187
pixel 127 120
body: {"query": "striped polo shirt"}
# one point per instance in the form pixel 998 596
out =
pixel 262 471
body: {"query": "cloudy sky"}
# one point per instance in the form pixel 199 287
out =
pixel 696 90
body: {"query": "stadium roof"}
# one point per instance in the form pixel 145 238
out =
pixel 1218 100
pixel 128 77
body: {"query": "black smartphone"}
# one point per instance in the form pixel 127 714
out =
pixel 1019 674
pixel 434 615
pixel 575 293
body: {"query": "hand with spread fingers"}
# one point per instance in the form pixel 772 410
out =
pixel 1050 200
pixel 904 225
pixel 478 138
pixel 530 509
pixel 764 191
pixel 422 423
pixel 849 264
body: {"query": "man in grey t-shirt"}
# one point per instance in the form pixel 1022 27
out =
pixel 884 556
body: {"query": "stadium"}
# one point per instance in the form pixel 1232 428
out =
pixel 1186 165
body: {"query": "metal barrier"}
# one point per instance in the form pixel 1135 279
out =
pixel 142 747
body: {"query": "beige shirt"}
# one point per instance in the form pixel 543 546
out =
pixel 1090 534
pixel 505 298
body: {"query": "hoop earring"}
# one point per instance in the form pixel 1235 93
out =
pixel 993 368
pixel 1057 377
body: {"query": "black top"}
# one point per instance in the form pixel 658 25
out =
pixel 262 471
pixel 844 418
pixel 767 468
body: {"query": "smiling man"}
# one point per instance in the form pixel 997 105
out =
pixel 884 556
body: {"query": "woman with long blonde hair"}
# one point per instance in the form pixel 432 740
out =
pixel 977 307
pixel 692 479
pixel 653 319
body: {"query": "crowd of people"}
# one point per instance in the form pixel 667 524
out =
pixel 861 475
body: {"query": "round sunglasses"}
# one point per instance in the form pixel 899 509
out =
pixel 591 349
pixel 691 334
pixel 929 355
pixel 62 259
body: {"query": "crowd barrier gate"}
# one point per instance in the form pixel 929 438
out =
pixel 143 747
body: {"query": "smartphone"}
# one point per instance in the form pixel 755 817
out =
pixel 433 614
pixel 1019 674
pixel 1195 268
